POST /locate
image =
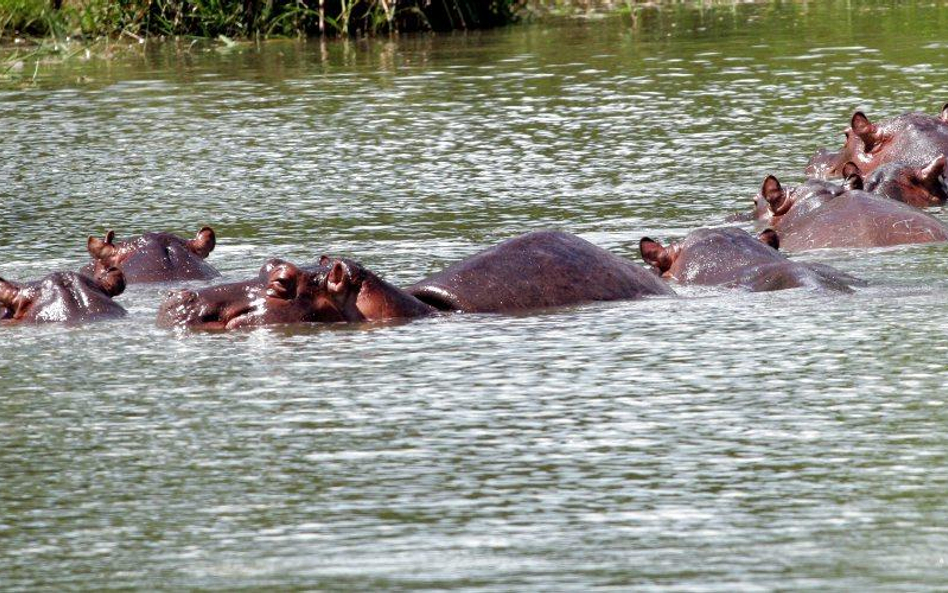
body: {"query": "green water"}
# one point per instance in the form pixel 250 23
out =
pixel 719 442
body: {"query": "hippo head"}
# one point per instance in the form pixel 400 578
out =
pixel 155 257
pixel 662 258
pixel 331 291
pixel 774 200
pixel 359 295
pixel 862 139
pixel 282 293
pixel 63 296
pixel 919 186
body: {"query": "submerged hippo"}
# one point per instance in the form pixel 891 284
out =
pixel 776 205
pixel 536 270
pixel 332 291
pixel 858 218
pixel 731 257
pixel 919 186
pixel 64 297
pixel 913 139
pixel 156 257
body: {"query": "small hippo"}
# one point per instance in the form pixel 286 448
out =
pixel 919 186
pixel 155 257
pixel 333 291
pixel 536 270
pixel 63 297
pixel 913 139
pixel 731 257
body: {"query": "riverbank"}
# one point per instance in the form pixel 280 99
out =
pixel 245 18
pixel 38 32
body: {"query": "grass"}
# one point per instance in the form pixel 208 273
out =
pixel 244 18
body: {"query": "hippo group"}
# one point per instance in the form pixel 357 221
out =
pixel 886 173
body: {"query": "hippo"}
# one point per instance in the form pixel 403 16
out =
pixel 919 186
pixel 536 270
pixel 857 218
pixel 156 257
pixel 775 205
pixel 335 290
pixel 731 257
pixel 64 297
pixel 914 139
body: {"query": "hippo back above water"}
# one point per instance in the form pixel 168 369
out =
pixel 732 257
pixel 861 219
pixel 536 270
pixel 155 257
pixel 63 297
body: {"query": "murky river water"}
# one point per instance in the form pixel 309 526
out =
pixel 711 443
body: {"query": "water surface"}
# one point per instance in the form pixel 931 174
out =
pixel 721 441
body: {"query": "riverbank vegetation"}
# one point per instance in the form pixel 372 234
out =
pixel 244 18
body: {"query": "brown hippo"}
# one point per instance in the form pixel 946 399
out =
pixel 536 270
pixel 156 257
pixel 775 205
pixel 731 257
pixel 913 139
pixel 64 297
pixel 858 218
pixel 919 186
pixel 332 291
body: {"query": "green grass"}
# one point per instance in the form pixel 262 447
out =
pixel 244 18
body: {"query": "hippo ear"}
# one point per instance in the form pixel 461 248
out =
pixel 775 195
pixel 282 281
pixel 338 279
pixel 8 293
pixel 943 116
pixel 933 170
pixel 853 181
pixel 865 129
pixel 771 189
pixel 101 249
pixel 769 237
pixel 14 298
pixel 324 260
pixel 111 281
pixel 654 254
pixel 203 244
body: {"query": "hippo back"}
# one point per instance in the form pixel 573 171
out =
pixel 162 257
pixel 731 257
pixel 536 270
pixel 713 256
pixel 861 219
pixel 69 297
pixel 807 197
